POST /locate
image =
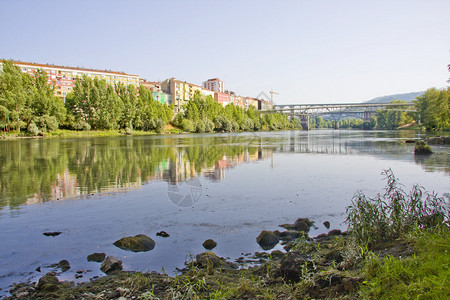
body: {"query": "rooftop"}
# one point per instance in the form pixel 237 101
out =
pixel 69 68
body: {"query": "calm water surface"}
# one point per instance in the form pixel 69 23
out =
pixel 227 187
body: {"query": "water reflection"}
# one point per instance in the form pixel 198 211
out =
pixel 34 171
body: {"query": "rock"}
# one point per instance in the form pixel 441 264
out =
pixel 334 232
pixel 289 235
pixel 138 243
pixel 49 282
pixel 209 244
pixel 162 234
pixel 111 264
pixel 78 276
pixel 277 254
pixel 80 271
pixel 64 265
pixel 206 259
pixel 422 149
pixel 301 224
pixel 38 269
pixel 438 140
pixel 22 291
pixel 292 264
pixel 267 240
pixel 211 260
pixel 326 224
pixel 52 233
pixel 97 257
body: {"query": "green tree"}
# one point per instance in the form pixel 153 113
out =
pixel 391 119
pixel 433 108
pixel 15 87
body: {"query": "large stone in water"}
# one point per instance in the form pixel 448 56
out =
pixel 267 239
pixel 111 264
pixel 138 243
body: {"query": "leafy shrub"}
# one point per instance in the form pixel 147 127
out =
pixel 178 120
pixel 128 131
pixel 81 125
pixel 209 125
pixel 387 216
pixel 32 129
pixel 187 125
pixel 46 122
pixel 158 124
pixel 200 126
pixel 223 124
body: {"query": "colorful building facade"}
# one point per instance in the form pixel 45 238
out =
pixel 63 78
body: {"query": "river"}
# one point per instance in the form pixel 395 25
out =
pixel 227 187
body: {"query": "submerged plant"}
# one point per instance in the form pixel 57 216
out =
pixel 388 215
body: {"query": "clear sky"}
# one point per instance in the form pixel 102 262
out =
pixel 315 51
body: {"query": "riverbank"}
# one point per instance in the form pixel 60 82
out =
pixel 65 133
pixel 330 266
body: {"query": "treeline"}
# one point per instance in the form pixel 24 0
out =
pixel 432 112
pixel 203 114
pixel 27 103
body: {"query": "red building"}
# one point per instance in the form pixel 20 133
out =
pixel 222 98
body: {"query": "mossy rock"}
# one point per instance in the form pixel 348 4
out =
pixel 209 244
pixel 267 239
pixel 97 257
pixel 138 243
pixel 211 260
pixel 301 224
pixel 422 149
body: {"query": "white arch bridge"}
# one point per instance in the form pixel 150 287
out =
pixel 362 110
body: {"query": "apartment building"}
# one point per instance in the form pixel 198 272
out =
pixel 63 78
pixel 215 85
pixel 182 92
pixel 222 98
pixel 251 102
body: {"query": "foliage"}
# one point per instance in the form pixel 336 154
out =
pixel 388 215
pixel 422 276
pixel 392 119
pixel 23 98
pixel 433 108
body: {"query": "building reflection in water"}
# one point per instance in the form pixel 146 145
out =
pixel 175 169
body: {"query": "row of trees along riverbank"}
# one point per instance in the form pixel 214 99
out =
pixel 432 109
pixel 27 103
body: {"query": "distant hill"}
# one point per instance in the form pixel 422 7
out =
pixel 408 97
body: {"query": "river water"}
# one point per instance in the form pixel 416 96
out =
pixel 227 187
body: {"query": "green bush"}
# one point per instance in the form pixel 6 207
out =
pixel 46 123
pixel 187 125
pixel 209 125
pixel 81 125
pixel 32 129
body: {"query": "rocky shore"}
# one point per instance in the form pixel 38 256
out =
pixel 326 266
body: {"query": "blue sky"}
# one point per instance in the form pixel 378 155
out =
pixel 320 51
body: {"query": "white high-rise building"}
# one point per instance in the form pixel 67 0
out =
pixel 215 85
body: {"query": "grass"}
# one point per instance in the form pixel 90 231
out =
pixel 425 275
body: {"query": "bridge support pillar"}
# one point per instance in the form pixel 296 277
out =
pixel 305 122
pixel 336 124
